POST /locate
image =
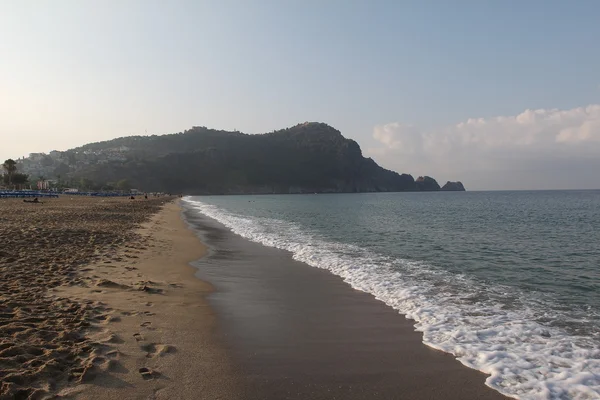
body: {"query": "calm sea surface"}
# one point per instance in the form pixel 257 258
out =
pixel 509 282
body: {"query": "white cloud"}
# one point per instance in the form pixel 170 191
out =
pixel 531 143
pixel 399 137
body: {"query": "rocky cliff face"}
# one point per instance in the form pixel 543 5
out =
pixel 426 184
pixel 453 187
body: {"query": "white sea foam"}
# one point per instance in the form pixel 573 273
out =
pixel 524 358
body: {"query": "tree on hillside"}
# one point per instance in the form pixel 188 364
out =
pixel 61 169
pixel 109 186
pixel 17 179
pixel 123 184
pixel 20 179
pixel 86 184
pixel 10 166
pixel 71 158
pixel 47 161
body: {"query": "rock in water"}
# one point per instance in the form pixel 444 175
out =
pixel 426 184
pixel 453 187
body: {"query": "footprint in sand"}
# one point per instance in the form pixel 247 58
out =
pixel 157 349
pixel 110 284
pixel 148 373
pixel 138 337
pixel 147 325
pixel 113 338
pixel 113 354
pixel 148 289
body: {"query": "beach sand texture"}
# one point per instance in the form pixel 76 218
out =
pixel 78 279
pixel 98 301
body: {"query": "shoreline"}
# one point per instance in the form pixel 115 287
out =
pixel 171 304
pixel 158 337
pixel 301 332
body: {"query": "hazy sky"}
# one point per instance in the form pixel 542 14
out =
pixel 499 94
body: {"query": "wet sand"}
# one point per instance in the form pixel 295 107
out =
pixel 297 332
pixel 98 301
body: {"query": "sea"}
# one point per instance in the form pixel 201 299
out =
pixel 507 281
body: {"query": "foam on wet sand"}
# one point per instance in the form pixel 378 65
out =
pixel 99 301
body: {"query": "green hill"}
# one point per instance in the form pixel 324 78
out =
pixel 306 158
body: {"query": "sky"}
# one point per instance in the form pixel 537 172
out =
pixel 498 94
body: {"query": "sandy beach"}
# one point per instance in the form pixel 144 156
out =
pixel 99 301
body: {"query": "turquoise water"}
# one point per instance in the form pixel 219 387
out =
pixel 506 281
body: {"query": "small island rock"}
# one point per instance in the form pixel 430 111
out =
pixel 453 187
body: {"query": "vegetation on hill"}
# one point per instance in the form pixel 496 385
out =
pixel 11 178
pixel 306 158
